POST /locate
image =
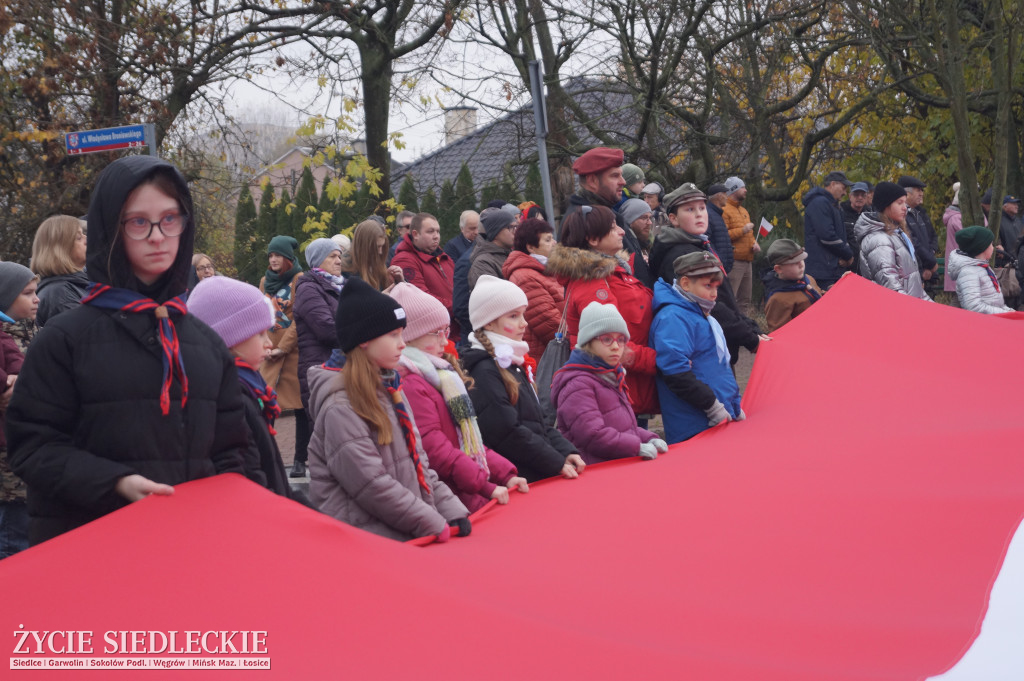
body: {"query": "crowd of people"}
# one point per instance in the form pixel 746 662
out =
pixel 412 372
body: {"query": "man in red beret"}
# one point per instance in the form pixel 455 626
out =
pixel 601 183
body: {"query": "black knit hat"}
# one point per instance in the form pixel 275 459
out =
pixel 364 313
pixel 885 194
pixel 974 240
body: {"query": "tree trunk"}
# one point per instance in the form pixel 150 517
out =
pixel 375 73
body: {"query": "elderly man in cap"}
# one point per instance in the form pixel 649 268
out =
pixel 717 232
pixel 652 193
pixel 828 253
pixel 1010 227
pixel 601 181
pixel 922 233
pixel 860 199
pixel 744 241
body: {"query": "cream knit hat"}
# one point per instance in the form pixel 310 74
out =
pixel 491 298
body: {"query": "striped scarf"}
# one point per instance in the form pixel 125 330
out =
pixel 991 276
pixel 439 373
pixel 394 387
pixel 110 298
pixel 264 394
pixel 581 360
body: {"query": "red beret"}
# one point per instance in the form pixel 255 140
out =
pixel 598 159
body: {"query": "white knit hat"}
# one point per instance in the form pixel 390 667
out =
pixel 236 311
pixel 597 319
pixel 423 312
pixel 491 298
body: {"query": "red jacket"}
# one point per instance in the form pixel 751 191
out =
pixel 431 273
pixel 544 311
pixel 592 276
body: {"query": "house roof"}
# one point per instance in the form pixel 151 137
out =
pixel 509 141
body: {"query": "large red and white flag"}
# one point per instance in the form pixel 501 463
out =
pixel 852 527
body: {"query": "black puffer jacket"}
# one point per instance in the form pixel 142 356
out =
pixel 86 408
pixel 60 293
pixel 518 432
pixel 739 329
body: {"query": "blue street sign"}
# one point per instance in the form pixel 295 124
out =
pixel 108 139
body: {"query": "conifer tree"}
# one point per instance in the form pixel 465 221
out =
pixel 534 190
pixel 305 196
pixel 407 194
pixel 429 203
pixel 447 215
pixel 246 242
pixel 284 218
pixel 267 221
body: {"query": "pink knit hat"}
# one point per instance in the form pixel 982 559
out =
pixel 235 310
pixel 423 312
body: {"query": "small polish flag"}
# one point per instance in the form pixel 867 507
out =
pixel 764 228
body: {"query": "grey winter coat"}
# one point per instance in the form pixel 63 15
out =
pixel 974 286
pixel 370 486
pixel 486 257
pixel 886 258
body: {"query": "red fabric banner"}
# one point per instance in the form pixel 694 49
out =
pixel 851 528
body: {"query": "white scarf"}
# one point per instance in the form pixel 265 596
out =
pixel 542 259
pixel 506 351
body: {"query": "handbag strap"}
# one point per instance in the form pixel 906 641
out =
pixel 563 324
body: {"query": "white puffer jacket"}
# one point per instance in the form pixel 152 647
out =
pixel 974 286
pixel 886 259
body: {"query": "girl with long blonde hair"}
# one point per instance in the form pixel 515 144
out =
pixel 58 257
pixel 367 259
pixel 366 460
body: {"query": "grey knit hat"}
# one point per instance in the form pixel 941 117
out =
pixel 493 221
pixel 631 209
pixel 597 319
pixel 318 250
pixel 632 174
pixel 13 280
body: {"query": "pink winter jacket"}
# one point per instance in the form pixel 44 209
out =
pixel 466 479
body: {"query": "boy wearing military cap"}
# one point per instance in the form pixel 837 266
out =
pixel 787 290
pixel 696 386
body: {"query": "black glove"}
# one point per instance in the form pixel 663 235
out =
pixel 463 526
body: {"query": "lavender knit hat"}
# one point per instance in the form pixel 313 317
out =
pixel 423 312
pixel 236 311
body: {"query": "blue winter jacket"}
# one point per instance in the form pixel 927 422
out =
pixel 824 237
pixel 684 340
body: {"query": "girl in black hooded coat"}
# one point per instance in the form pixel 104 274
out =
pixel 127 394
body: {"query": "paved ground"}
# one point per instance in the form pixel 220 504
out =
pixel 286 424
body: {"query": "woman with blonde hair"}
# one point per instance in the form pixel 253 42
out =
pixel 886 251
pixel 367 259
pixel 58 257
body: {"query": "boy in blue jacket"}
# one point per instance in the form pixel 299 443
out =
pixel 696 385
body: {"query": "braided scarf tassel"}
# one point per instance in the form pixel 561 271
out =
pixel 453 390
pixel 992 277
pixel 397 399
pixel 107 297
pixel 264 394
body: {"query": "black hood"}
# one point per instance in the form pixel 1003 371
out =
pixel 105 257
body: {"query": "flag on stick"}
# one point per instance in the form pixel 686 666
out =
pixel 764 228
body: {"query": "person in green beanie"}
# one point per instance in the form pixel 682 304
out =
pixel 281 369
pixel 977 287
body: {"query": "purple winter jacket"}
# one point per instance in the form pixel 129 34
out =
pixel 595 416
pixel 441 443
pixel 314 307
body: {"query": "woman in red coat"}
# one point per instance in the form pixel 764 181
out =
pixel 590 262
pixel 525 267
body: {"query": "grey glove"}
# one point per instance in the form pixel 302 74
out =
pixel 741 416
pixel 648 451
pixel 716 414
pixel 659 444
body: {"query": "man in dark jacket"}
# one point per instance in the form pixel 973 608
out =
pixel 717 232
pixel 922 233
pixel 860 194
pixel 739 330
pixel 469 228
pixel 828 254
